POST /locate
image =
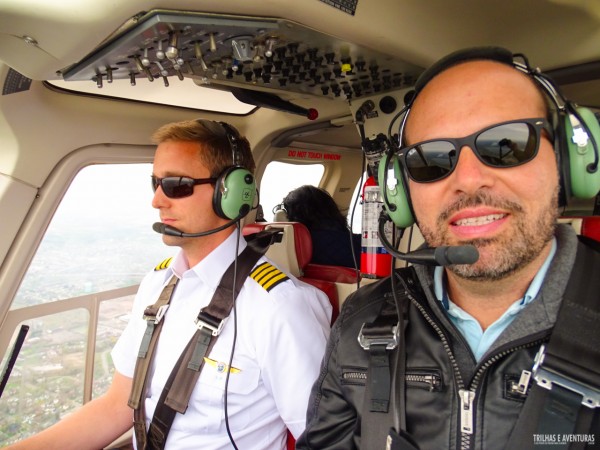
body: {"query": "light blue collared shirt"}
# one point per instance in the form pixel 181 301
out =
pixel 479 340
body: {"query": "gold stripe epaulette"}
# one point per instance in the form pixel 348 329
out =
pixel 164 264
pixel 268 276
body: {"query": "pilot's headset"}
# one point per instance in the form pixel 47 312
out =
pixel 235 188
pixel 576 136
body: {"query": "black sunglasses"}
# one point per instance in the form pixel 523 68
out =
pixel 179 187
pixel 507 144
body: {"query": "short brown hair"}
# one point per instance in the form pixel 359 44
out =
pixel 216 153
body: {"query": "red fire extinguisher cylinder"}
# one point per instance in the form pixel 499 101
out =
pixel 375 261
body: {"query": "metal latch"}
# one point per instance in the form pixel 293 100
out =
pixel 159 314
pixel 205 320
pixel 389 340
pixel 546 378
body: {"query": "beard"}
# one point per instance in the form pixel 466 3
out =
pixel 501 255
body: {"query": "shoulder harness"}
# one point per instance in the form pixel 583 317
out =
pixel 210 321
pixel 566 393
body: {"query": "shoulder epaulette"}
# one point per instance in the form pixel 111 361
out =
pixel 164 264
pixel 268 276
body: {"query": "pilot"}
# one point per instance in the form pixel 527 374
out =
pixel 255 378
pixel 458 368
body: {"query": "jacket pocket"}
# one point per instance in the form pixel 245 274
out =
pixel 355 376
pixel 513 389
pixel 424 378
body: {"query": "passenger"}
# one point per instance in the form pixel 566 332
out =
pixel 279 327
pixel 331 236
pixel 473 330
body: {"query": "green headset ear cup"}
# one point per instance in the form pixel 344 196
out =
pixel 234 193
pixel 583 184
pixel 394 196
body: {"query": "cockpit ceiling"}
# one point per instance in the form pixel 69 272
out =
pixel 332 50
pixel 257 53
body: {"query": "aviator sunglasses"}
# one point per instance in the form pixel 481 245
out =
pixel 179 187
pixel 507 144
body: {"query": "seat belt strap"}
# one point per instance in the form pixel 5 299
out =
pixel 153 315
pixel 567 370
pixel 379 338
pixel 383 339
pixel 164 414
pixel 559 414
pixel 210 321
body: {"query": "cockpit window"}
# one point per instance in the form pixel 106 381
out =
pixel 99 239
pixel 280 178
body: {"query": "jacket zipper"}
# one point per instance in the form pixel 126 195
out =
pixel 467 396
pixel 431 381
pixel 354 376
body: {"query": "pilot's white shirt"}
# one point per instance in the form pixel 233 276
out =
pixel 281 338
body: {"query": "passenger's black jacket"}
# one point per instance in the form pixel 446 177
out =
pixel 439 365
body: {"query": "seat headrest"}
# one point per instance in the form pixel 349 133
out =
pixel 294 251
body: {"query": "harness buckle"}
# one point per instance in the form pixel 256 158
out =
pixel 205 320
pixel 546 377
pixel 156 318
pixel 378 338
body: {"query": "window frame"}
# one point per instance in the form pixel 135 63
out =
pixel 50 194
pixel 29 238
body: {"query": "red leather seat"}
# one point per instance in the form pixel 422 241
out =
pixel 298 259
pixel 337 274
pixel 301 253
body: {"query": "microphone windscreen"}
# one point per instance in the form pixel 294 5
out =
pixel 159 227
pixel 461 254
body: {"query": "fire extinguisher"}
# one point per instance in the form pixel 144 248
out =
pixel 375 261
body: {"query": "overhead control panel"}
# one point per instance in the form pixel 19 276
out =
pixel 248 52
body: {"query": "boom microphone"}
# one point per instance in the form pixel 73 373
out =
pixel 434 256
pixel 168 230
pixel 441 256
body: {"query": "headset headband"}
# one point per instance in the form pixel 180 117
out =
pixel 232 137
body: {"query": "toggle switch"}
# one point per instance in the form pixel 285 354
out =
pixel 163 71
pixel 172 50
pixel 142 68
pixel 259 53
pixel 270 47
pixel 212 42
pixel 198 55
pixel 145 59
pixel 160 55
